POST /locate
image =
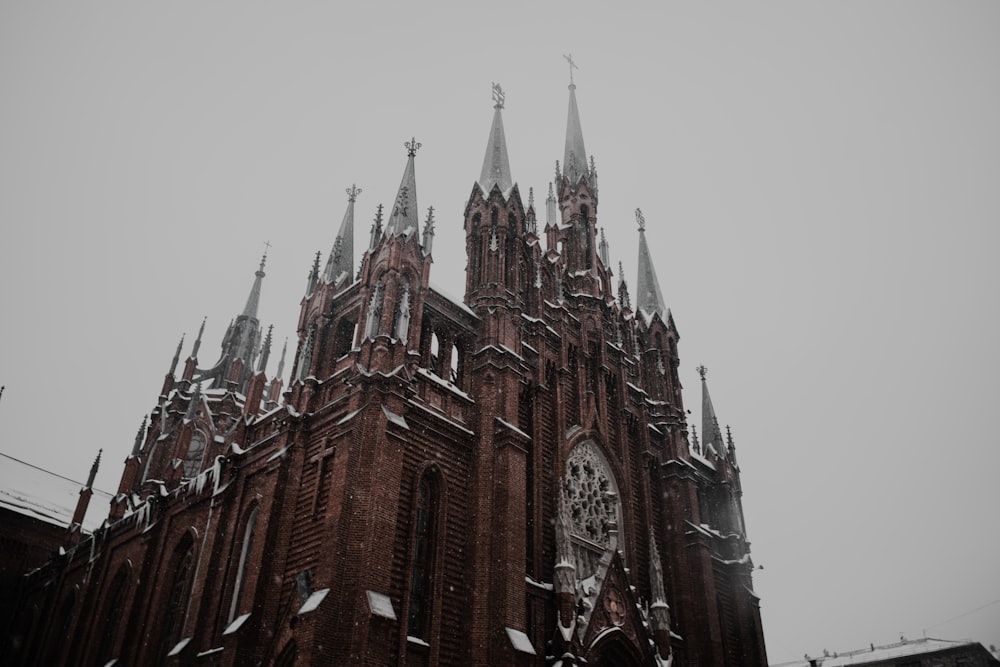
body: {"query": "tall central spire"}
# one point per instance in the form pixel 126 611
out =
pixel 403 219
pixel 575 155
pixel 496 165
pixel 648 296
pixel 253 300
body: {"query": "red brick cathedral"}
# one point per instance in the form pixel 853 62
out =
pixel 506 479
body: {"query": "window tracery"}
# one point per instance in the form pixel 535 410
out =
pixel 592 504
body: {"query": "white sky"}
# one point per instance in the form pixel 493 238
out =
pixel 821 185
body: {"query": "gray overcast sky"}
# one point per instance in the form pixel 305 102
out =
pixel 820 182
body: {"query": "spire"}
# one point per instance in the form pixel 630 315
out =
pixel 428 241
pixel 137 445
pixel 648 296
pixel 710 432
pixel 281 362
pixel 403 219
pixel 313 277
pixel 250 310
pixel 266 351
pixel 496 166
pixel 624 300
pixel 197 341
pixel 575 155
pixel 341 258
pixel 177 356
pixel 550 208
pixel 376 231
pixel 605 255
pixel 93 470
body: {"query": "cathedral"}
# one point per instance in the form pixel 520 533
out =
pixel 505 479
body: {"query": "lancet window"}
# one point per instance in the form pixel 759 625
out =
pixel 422 557
pixel 241 570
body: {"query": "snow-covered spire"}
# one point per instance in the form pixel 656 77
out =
pixel 341 259
pixel 575 154
pixel 648 296
pixel 403 219
pixel 496 165
pixel 710 432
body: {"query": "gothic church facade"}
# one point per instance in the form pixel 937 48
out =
pixel 509 479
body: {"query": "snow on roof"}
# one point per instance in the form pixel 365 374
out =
pixel 453 299
pixel 903 648
pixel 236 624
pixel 44 495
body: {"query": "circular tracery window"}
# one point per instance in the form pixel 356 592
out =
pixel 592 503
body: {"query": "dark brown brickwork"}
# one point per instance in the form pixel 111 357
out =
pixel 303 539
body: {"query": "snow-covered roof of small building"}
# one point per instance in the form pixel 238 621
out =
pixel 44 495
pixel 875 654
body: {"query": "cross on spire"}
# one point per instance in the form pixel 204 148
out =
pixel 412 146
pixel 353 192
pixel 267 247
pixel 498 96
pixel 702 371
pixel 572 66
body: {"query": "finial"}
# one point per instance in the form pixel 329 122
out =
pixel 729 436
pixel 267 246
pixel 316 262
pixel 429 225
pixel 640 219
pixel 93 470
pixel 353 192
pixel 702 371
pixel 593 166
pixel 572 66
pixel 197 341
pixel 531 197
pixel 551 194
pixel 498 96
pixel 412 146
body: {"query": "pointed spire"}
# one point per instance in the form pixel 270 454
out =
pixel 624 300
pixel 550 207
pixel 575 155
pixel 313 277
pixel 648 296
pixel 266 350
pixel 496 165
pixel 197 341
pixel 193 405
pixel 253 300
pixel 281 362
pixel 376 231
pixel 694 439
pixel 177 356
pixel 605 255
pixel 710 431
pixel 93 470
pixel 403 219
pixel 137 445
pixel 428 240
pixel 341 258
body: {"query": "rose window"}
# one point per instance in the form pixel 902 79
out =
pixel 592 504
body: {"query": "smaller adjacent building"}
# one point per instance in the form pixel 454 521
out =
pixel 924 652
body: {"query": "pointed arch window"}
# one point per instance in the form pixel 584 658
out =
pixel 374 311
pixel 114 611
pixel 194 455
pixel 246 552
pixel 422 557
pixel 173 617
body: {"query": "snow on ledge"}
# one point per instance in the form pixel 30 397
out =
pixel 395 419
pixel 416 640
pixel 236 624
pixel 520 641
pixel 313 601
pixel 381 605
pixel 179 646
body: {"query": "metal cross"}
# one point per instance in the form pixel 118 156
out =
pixel 353 192
pixel 572 66
pixel 498 96
pixel 412 146
pixel 640 219
pixel 701 371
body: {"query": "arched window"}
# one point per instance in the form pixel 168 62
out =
pixel 591 495
pixel 194 455
pixel 173 617
pixel 114 612
pixel 241 569
pixel 422 557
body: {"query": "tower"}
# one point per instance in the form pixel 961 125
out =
pixel 506 479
